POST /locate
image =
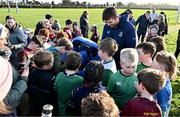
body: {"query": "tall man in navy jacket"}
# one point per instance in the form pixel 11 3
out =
pixel 120 29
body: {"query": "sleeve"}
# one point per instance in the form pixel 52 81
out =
pixel 111 85
pixel 22 38
pixel 104 34
pixel 13 98
pixel 131 37
pixel 137 21
pixel 161 97
pixel 106 76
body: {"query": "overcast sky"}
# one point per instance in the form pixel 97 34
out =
pixel 172 2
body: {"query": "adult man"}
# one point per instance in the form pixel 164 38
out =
pixel 144 22
pixel 153 16
pixel 121 30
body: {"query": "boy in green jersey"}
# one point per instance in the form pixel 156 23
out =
pixel 145 51
pixel 121 85
pixel 66 81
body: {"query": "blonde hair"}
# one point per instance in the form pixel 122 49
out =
pixel 99 104
pixel 129 55
pixel 169 63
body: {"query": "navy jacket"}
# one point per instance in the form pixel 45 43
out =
pixel 143 23
pixel 124 33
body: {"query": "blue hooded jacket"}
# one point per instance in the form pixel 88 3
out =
pixel 124 33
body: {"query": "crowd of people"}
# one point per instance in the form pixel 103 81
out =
pixel 120 75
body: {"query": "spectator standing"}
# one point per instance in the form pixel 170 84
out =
pixel 144 22
pixel 121 30
pixel 84 24
pixel 153 16
pixel 95 34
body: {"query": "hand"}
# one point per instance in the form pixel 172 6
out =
pixel 25 72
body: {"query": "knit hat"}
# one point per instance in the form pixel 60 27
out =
pixel 5 78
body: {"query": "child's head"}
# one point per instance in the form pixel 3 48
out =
pixel 43 60
pixel 75 24
pixel 46 23
pixel 159 43
pixel 44 34
pixel 153 29
pixel 94 72
pixel 128 61
pixel 150 79
pixel 73 61
pixel 93 28
pixel 99 104
pixel 145 51
pixel 68 23
pixel 108 47
pixel 64 45
pixel 35 43
pixel 166 62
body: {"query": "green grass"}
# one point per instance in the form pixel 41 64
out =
pixel 29 17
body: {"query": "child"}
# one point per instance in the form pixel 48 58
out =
pixel 99 105
pixel 146 51
pixel 66 81
pixel 159 43
pixel 165 62
pixel 95 35
pixel 93 75
pixel 41 83
pixel 149 82
pixel 108 47
pixel 152 32
pixel 121 85
pixel 76 30
pixel 68 29
pixel 27 53
pixel 56 25
pixel 64 46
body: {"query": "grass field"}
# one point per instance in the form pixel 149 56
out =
pixel 29 17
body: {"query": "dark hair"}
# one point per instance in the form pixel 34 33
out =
pixel 153 80
pixel 108 13
pixel 48 16
pixel 9 17
pixel 159 43
pixel 68 21
pixel 73 60
pixel 75 24
pixel 94 72
pixel 37 40
pixel 147 48
pixel 148 12
pixel 42 58
pixel 109 46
